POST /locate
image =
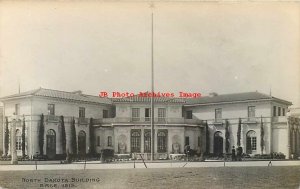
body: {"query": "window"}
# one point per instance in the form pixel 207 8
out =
pixel 105 113
pixel 199 141
pixel 109 141
pixel 81 112
pixel 147 141
pixel 135 140
pixel 251 142
pixel 283 111
pixel 147 114
pixel 279 111
pixel 17 109
pixel 18 140
pixel 135 114
pixel 98 141
pixel 251 111
pixel 161 114
pixel 51 109
pixel 189 114
pixel 162 141
pixel 187 141
pixel 274 111
pixel 218 114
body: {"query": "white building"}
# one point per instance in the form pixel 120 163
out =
pixel 123 124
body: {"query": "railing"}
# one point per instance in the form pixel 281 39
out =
pixel 251 120
pixel 83 120
pixel 52 118
pixel 279 119
pixel 147 120
pixel 218 121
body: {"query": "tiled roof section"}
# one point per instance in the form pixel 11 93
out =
pixel 139 99
pixel 248 96
pixel 61 95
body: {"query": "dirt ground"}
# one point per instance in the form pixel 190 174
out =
pixel 212 177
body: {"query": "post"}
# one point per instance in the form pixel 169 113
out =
pixel 152 91
pixel 36 160
pixel 14 158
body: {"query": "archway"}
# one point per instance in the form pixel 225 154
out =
pixel 51 144
pixel 81 143
pixel 251 142
pixel 218 143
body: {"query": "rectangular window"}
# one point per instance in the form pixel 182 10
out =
pixel 105 113
pixel 161 114
pixel 17 109
pixel 283 111
pixel 187 141
pixel 251 111
pixel 98 140
pixel 279 111
pixel 51 109
pixel 189 114
pixel 274 111
pixel 253 142
pixel 109 141
pixel 81 112
pixel 147 114
pixel 135 114
pixel 18 143
pixel 218 115
pixel 199 141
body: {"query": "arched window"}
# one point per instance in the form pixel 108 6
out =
pixel 251 142
pixel 147 141
pixel 18 140
pixel 162 141
pixel 50 132
pixel 135 141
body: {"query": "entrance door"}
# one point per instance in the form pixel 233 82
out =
pixel 51 144
pixel 218 143
pixel 81 143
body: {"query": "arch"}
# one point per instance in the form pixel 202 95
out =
pixel 135 140
pixel 51 144
pixel 162 136
pixel 218 143
pixel 251 142
pixel 81 143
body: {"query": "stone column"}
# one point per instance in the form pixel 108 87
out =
pixel 14 158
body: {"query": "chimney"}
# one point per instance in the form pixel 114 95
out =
pixel 213 94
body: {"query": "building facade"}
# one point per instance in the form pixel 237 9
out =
pixel 54 121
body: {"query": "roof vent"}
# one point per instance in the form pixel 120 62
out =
pixel 77 92
pixel 213 94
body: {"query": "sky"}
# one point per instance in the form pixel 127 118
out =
pixel 200 47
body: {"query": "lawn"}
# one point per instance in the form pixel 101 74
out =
pixel 213 177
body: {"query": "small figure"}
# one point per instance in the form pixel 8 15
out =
pixel 270 163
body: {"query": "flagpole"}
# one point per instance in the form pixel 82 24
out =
pixel 152 91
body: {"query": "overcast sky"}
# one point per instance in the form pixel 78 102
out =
pixel 198 47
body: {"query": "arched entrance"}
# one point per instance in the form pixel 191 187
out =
pixel 218 143
pixel 51 144
pixel 81 143
pixel 251 142
pixel 162 141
